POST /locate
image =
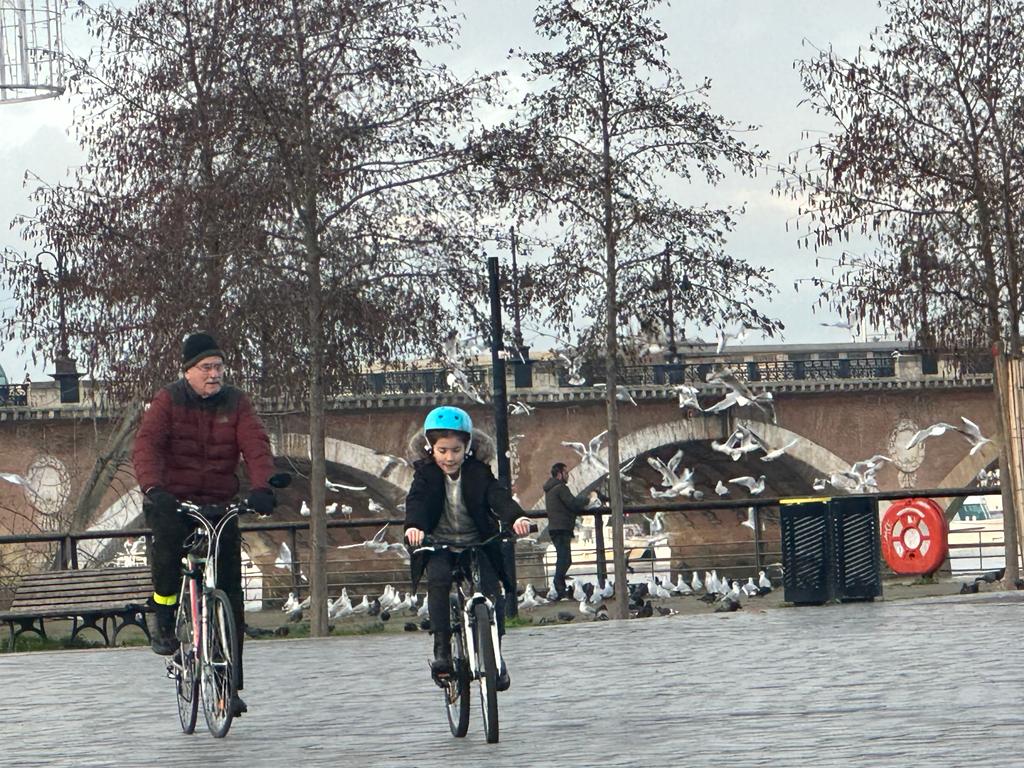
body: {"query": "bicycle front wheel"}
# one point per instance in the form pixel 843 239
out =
pixel 488 664
pixel 456 691
pixel 219 664
pixel 186 668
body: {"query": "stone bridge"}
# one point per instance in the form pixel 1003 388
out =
pixel 371 437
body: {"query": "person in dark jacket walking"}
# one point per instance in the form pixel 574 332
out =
pixel 455 496
pixel 562 507
pixel 187 448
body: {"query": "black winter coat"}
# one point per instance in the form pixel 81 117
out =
pixel 487 501
pixel 561 506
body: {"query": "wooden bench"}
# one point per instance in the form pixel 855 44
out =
pixel 103 599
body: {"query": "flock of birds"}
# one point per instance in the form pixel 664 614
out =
pixel 389 603
pixel 724 594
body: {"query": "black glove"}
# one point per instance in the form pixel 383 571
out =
pixel 162 501
pixel 261 501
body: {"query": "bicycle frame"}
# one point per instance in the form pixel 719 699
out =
pixel 468 599
pixel 208 530
pixel 467 602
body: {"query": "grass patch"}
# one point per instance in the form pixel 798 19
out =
pixel 513 622
pixel 31 642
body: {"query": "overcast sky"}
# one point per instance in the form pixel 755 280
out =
pixel 747 48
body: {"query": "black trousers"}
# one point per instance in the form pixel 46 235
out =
pixel 170 528
pixel 439 586
pixel 563 558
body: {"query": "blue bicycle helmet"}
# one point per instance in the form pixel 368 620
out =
pixel 448 417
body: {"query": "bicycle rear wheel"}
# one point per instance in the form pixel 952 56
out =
pixel 456 691
pixel 489 665
pixel 186 668
pixel 219 663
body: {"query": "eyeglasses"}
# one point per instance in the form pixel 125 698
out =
pixel 211 367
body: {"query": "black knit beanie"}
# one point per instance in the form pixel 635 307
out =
pixel 196 347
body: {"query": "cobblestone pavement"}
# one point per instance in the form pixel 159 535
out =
pixel 905 683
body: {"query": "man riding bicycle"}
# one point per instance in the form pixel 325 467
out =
pixel 455 496
pixel 187 448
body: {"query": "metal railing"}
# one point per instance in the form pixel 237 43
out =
pixel 730 556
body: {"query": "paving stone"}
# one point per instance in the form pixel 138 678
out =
pixel 932 681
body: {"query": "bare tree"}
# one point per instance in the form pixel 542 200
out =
pixel 369 188
pixel 295 177
pixel 595 150
pixel 925 161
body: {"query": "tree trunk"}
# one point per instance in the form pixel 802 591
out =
pixel 318 460
pixel 621 605
pixel 106 466
pixel 1007 477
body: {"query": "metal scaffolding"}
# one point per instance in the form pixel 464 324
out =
pixel 31 50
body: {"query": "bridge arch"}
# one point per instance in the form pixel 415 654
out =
pixel 964 473
pixel 823 462
pixel 383 473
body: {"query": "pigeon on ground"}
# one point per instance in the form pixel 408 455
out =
pixel 728 605
pixel 969 588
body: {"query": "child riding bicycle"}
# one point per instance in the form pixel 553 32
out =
pixel 455 496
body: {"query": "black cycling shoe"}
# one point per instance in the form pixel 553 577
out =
pixel 504 681
pixel 441 666
pixel 161 631
pixel 238 707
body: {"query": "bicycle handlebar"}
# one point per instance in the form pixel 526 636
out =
pixel 431 542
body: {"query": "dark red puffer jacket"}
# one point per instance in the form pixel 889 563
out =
pixel 190 446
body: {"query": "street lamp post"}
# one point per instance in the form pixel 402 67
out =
pixel 522 371
pixel 65 371
pixel 499 397
pixel 670 307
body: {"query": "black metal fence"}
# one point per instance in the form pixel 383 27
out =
pixel 733 555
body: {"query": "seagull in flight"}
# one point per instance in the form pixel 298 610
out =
pixel 742 440
pixel 756 487
pixel 284 557
pixel 969 430
pixel 675 485
pixel 519 408
pixel 724 337
pixel 575 378
pixel 342 487
pixel 846 325
pixel 621 393
pixel 739 394
pixel 589 452
pixel 776 453
pixel 687 396
pixel 457 379
pixel 376 544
